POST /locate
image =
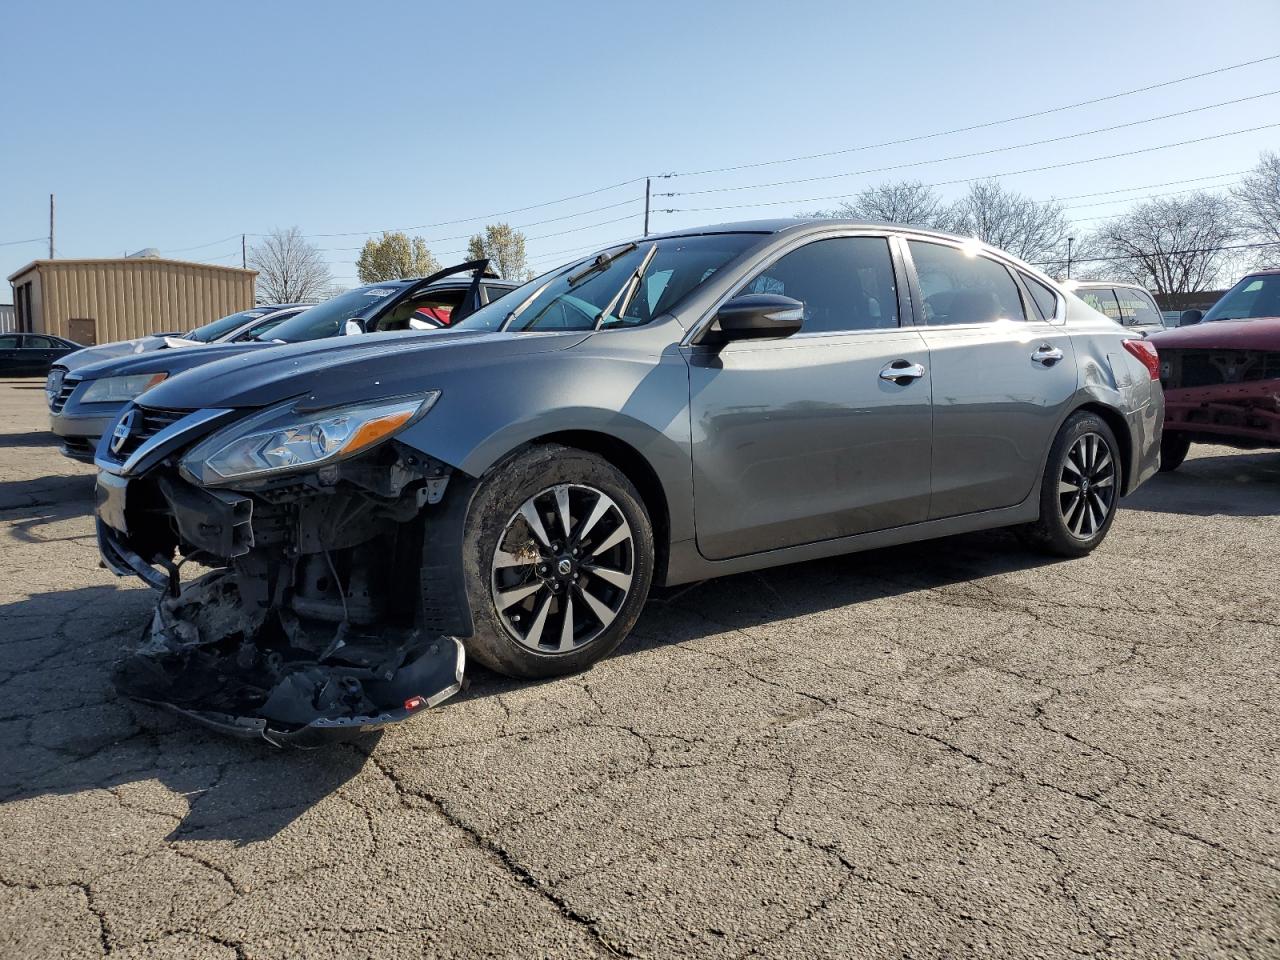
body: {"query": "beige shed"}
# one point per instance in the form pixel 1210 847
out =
pixel 99 301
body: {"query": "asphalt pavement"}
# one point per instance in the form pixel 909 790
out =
pixel 951 749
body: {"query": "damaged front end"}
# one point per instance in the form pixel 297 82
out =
pixel 317 618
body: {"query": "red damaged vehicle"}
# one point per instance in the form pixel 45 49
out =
pixel 1221 372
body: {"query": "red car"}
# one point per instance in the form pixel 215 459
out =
pixel 1221 373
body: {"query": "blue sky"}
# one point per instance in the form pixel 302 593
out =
pixel 179 125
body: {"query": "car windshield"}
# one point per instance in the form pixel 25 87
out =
pixel 326 319
pixel 1252 297
pixel 582 296
pixel 212 331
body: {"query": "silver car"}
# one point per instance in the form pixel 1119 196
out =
pixel 1128 304
pixel 683 406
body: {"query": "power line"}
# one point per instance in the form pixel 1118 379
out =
pixel 982 126
pixel 966 156
pixel 485 216
pixel 989 176
pixel 1147 186
pixel 201 246
pixel 518 226
pixel 14 243
pixel 1159 253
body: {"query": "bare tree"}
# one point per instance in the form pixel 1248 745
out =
pixel 1258 199
pixel 905 202
pixel 505 247
pixel 290 270
pixel 394 256
pixel 1171 245
pixel 1034 230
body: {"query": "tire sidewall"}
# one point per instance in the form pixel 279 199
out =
pixel 1052 527
pixel 500 493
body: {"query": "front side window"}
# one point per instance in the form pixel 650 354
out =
pixel 960 287
pixel 845 283
pixel 580 297
pixel 1249 299
pixel 8 343
pixel 1136 308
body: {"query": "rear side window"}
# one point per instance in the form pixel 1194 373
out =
pixel 1042 296
pixel 845 283
pixel 39 343
pixel 1137 308
pixel 958 287
pixel 1102 299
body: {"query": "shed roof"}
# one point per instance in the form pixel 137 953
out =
pixel 127 261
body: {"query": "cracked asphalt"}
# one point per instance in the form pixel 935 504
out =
pixel 945 750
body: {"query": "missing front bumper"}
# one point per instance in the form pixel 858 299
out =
pixel 209 657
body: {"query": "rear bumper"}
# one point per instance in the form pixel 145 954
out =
pixel 1248 412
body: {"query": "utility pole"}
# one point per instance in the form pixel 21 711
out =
pixel 51 226
pixel 647 183
pixel 1070 242
pixel 243 259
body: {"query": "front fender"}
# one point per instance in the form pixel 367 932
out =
pixel 641 401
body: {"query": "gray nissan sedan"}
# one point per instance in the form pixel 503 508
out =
pixel 683 406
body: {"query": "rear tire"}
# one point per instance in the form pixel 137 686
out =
pixel 1173 450
pixel 1080 489
pixel 546 600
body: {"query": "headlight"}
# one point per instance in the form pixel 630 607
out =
pixel 117 389
pixel 282 441
pixel 53 385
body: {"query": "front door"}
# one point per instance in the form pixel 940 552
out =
pixel 801 439
pixel 1002 379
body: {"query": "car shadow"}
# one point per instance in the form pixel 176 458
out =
pixel 33 438
pixel 73 492
pixel 1229 484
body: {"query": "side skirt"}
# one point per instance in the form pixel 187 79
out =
pixel 687 565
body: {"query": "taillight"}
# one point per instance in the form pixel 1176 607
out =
pixel 1145 351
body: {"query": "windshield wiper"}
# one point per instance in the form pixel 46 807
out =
pixel 599 263
pixel 628 285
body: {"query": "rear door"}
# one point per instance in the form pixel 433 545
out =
pixel 41 352
pixel 800 439
pixel 1002 378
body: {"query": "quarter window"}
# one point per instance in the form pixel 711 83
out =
pixel 845 283
pixel 961 288
pixel 1042 296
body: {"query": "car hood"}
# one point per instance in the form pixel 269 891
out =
pixel 1262 333
pixel 346 369
pixel 168 360
pixel 107 351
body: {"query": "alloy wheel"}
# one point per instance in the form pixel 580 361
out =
pixel 1087 486
pixel 562 568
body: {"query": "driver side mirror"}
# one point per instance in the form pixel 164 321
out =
pixel 1189 317
pixel 756 316
pixel 352 328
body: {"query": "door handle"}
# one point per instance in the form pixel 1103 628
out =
pixel 902 372
pixel 1047 355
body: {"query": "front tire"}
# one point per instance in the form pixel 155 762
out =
pixel 557 558
pixel 1174 448
pixel 1080 489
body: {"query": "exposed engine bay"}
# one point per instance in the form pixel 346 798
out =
pixel 317 618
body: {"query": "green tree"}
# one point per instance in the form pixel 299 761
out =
pixel 504 247
pixel 394 256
